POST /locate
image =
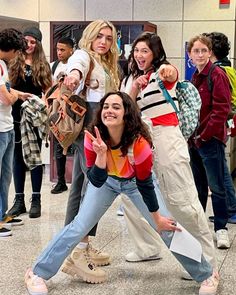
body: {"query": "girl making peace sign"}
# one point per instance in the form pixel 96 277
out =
pixel 110 171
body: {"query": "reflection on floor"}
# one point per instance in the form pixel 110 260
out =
pixel 146 278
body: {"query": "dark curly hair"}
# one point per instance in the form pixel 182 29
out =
pixel 154 42
pixel 133 124
pixel 220 44
pixel 12 39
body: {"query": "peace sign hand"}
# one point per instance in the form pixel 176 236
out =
pixel 99 146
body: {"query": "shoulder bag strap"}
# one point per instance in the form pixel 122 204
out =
pixel 167 95
pixel 87 79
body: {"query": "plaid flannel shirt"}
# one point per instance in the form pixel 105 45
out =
pixel 34 114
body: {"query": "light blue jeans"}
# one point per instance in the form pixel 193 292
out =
pixel 7 140
pixel 95 204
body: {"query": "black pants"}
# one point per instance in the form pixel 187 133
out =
pixel 20 168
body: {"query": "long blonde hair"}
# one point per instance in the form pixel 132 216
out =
pixel 110 60
pixel 41 72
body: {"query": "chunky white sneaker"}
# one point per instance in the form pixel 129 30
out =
pixel 80 264
pixel 210 285
pixel 134 257
pixel 98 257
pixel 34 284
pixel 222 239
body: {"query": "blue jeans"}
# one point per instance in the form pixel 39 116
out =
pixel 20 168
pixel 7 140
pixel 230 191
pixel 209 168
pixel 79 177
pixel 95 204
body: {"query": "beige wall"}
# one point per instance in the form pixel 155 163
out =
pixel 176 20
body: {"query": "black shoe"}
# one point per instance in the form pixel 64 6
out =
pixel 211 218
pixel 5 232
pixel 35 209
pixel 59 188
pixel 18 207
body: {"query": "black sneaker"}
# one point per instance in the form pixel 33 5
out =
pixel 11 220
pixel 59 188
pixel 4 232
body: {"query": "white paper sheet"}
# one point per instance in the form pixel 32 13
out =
pixel 185 244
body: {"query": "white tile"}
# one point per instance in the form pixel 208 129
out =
pixel 191 29
pixel 208 10
pixel 24 9
pixel 170 34
pixel 158 10
pixel 110 10
pixel 63 10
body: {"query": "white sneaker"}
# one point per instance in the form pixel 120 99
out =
pixel 210 285
pixel 186 276
pixel 4 231
pixel 222 239
pixel 134 257
pixel 34 284
pixel 120 211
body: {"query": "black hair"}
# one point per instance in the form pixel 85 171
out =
pixel 220 44
pixel 133 124
pixel 66 40
pixel 12 39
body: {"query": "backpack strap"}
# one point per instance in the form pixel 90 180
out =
pixel 209 80
pixel 167 95
pixel 54 66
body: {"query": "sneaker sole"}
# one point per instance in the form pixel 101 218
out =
pixel 224 247
pixel 16 223
pixel 208 293
pixel 36 293
pixel 58 192
pixel 34 215
pixel 145 259
pixel 72 270
pixel 103 262
pixel 3 235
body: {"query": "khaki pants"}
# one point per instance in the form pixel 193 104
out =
pixel 177 185
pixel 147 241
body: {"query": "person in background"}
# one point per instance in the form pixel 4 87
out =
pixel 11 43
pixel 65 46
pixel 207 145
pixel 98 55
pixel 117 128
pixel 29 72
pixel 171 156
pixel 219 56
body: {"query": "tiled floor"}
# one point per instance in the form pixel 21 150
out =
pixel 162 277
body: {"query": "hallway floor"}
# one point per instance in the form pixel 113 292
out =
pixel 161 277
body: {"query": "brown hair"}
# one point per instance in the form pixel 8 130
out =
pixel 41 72
pixel 203 39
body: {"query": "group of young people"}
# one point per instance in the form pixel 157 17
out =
pixel 148 167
